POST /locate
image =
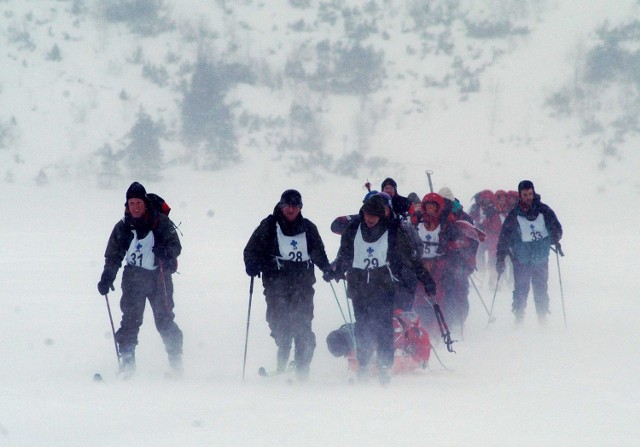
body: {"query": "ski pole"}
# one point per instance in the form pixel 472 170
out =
pixel 473 283
pixel 429 172
pixel 495 292
pixel 346 297
pixel 246 338
pixel 113 329
pixel 442 324
pixel 164 285
pixel 559 253
pixel 335 295
pixel 350 326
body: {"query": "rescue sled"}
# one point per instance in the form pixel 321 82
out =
pixel 411 342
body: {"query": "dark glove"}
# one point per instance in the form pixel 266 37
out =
pixel 253 268
pixel 558 248
pixel 500 266
pixel 161 252
pixel 105 284
pixel 329 275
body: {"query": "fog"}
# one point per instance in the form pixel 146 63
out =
pixel 557 385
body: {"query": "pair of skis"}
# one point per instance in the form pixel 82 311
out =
pixel 264 372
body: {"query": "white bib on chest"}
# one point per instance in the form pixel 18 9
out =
pixel 533 230
pixel 430 240
pixel 140 253
pixel 370 255
pixel 292 248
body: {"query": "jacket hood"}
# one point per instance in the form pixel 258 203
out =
pixel 433 197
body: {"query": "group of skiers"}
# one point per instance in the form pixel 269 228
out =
pixel 397 254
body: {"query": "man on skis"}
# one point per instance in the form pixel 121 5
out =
pixel 528 232
pixel 147 239
pixel 284 249
pixel 375 257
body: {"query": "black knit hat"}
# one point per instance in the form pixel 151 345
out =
pixel 389 181
pixel 374 206
pixel 291 197
pixel 526 184
pixel 137 191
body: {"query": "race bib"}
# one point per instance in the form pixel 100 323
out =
pixel 370 255
pixel 532 230
pixel 430 241
pixel 292 248
pixel 140 253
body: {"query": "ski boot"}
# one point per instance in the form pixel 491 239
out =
pixel 175 363
pixel 127 364
pixel 384 375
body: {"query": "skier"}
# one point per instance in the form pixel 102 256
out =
pixel 374 256
pixel 527 235
pixel 147 239
pixel 460 261
pixel 487 218
pixel 435 231
pixel 284 248
pixel 400 204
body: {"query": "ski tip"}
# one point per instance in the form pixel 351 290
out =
pixel 97 377
pixel 262 371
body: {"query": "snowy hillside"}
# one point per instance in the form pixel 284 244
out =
pixel 482 93
pixel 89 87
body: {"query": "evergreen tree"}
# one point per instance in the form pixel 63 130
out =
pixel 143 154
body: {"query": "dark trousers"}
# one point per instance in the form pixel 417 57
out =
pixel 535 276
pixel 374 326
pixel 138 285
pixel 289 314
pixel 456 294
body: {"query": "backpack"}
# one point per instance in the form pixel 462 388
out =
pixel 158 204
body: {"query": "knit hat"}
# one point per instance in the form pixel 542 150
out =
pixel 291 197
pixel 374 206
pixel 389 181
pixel 413 198
pixel 387 199
pixel 447 194
pixel 525 184
pixel 137 191
pixel 369 195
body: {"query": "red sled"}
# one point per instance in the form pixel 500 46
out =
pixel 411 342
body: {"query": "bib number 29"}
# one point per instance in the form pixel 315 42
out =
pixel 371 263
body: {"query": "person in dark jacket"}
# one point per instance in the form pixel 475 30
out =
pixel 284 249
pixel 400 203
pixel 461 260
pixel 375 257
pixel 527 234
pixel 147 240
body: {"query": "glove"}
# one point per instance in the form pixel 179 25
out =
pixel 161 252
pixel 253 268
pixel 328 275
pixel 500 266
pixel 105 284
